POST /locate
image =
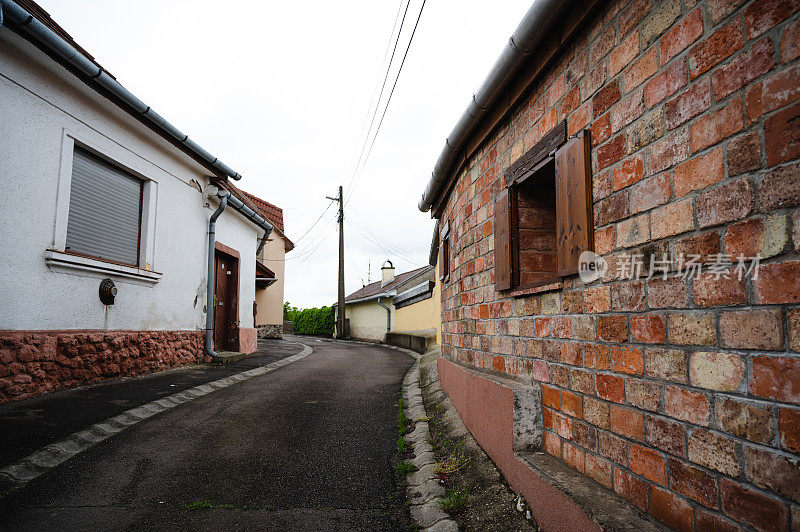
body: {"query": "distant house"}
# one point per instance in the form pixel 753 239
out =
pixel 419 307
pixel 270 268
pixel 371 310
pixel 126 249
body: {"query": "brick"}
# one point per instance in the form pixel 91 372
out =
pixel 596 412
pixel 686 405
pixel 642 394
pixel 794 329
pixel 562 426
pixel 571 404
pixel 628 296
pixel 692 482
pixel 778 90
pixel 551 397
pixel 601 131
pixel 582 381
pixel 628 360
pixel 648 463
pixel 719 9
pixel 667 293
pixel 666 83
pixel 682 35
pixel 668 151
pixel 584 435
pixel 666 435
pixel 703 245
pixel 744 154
pixel 700 172
pixel 603 44
pixel 627 110
pixel 610 387
pixel 763 236
pixel 641 69
pixel 771 471
pixel 627 422
pixel 672 219
pixel 715 451
pixel 623 54
pixel 780 188
pixel 730 201
pixel 571 351
pixel 782 135
pixel 671 510
pixel 631 489
pixel 613 447
pixel 659 20
pixel 716 371
pixel 751 329
pixel 629 172
pixel 721 44
pixel 669 364
pixel 790 43
pixel 611 152
pixel 597 299
pixel 633 231
pixel 710 291
pixel 573 457
pixel 572 302
pixel 596 356
pixel 650 193
pixel 718 125
pixel 604 240
pixel 764 14
pixel 632 14
pixel 605 98
pixel 600 470
pixel 752 508
pixel 578 120
pixel 612 328
pixel 551 304
pixel 689 104
pixel 710 521
pixel 646 130
pixel 744 68
pixel 789 428
pixel 776 378
pixel 650 328
pixel 552 444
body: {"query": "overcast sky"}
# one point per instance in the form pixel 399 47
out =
pixel 280 92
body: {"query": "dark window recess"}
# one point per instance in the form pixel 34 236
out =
pixel 543 218
pixel 444 253
pixel 105 206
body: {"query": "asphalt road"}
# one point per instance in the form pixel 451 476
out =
pixel 307 447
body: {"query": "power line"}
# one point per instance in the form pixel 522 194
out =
pixel 383 86
pixel 384 246
pixel 389 100
pixel 315 223
pixel 397 249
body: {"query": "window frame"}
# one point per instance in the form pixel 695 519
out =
pixel 58 257
pixel 547 152
pixel 444 253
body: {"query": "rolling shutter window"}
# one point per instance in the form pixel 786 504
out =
pixel 104 210
pixel 503 259
pixel 574 221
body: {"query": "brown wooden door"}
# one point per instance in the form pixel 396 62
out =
pixel 226 308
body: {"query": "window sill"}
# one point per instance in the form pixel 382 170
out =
pixel 60 260
pixel 519 292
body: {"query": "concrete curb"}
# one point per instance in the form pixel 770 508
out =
pixel 423 486
pixel 17 474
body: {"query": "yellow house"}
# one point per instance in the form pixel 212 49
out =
pixel 270 269
pixel 419 307
pixel 371 310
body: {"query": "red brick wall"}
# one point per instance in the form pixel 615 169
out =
pixel 681 394
pixel 32 363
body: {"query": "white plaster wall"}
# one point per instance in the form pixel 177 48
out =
pixel 368 319
pixel 41 104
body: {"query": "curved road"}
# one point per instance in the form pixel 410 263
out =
pixel 307 447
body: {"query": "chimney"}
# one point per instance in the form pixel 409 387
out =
pixel 387 273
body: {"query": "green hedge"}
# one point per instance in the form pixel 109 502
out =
pixel 314 321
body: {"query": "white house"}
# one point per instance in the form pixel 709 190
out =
pixel 105 230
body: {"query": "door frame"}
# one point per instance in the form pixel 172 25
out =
pixel 235 262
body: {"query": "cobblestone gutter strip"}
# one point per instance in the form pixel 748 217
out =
pixel 15 475
pixel 423 486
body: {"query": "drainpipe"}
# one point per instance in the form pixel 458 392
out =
pixel 236 203
pixel 388 316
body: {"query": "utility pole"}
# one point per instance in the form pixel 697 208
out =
pixel 340 314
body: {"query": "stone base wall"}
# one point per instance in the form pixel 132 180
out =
pixel 271 331
pixel 36 362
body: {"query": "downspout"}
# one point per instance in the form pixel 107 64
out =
pixel 388 316
pixel 236 203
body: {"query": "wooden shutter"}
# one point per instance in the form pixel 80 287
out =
pixel 574 221
pixel 503 240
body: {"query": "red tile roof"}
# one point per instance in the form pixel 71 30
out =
pixel 272 213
